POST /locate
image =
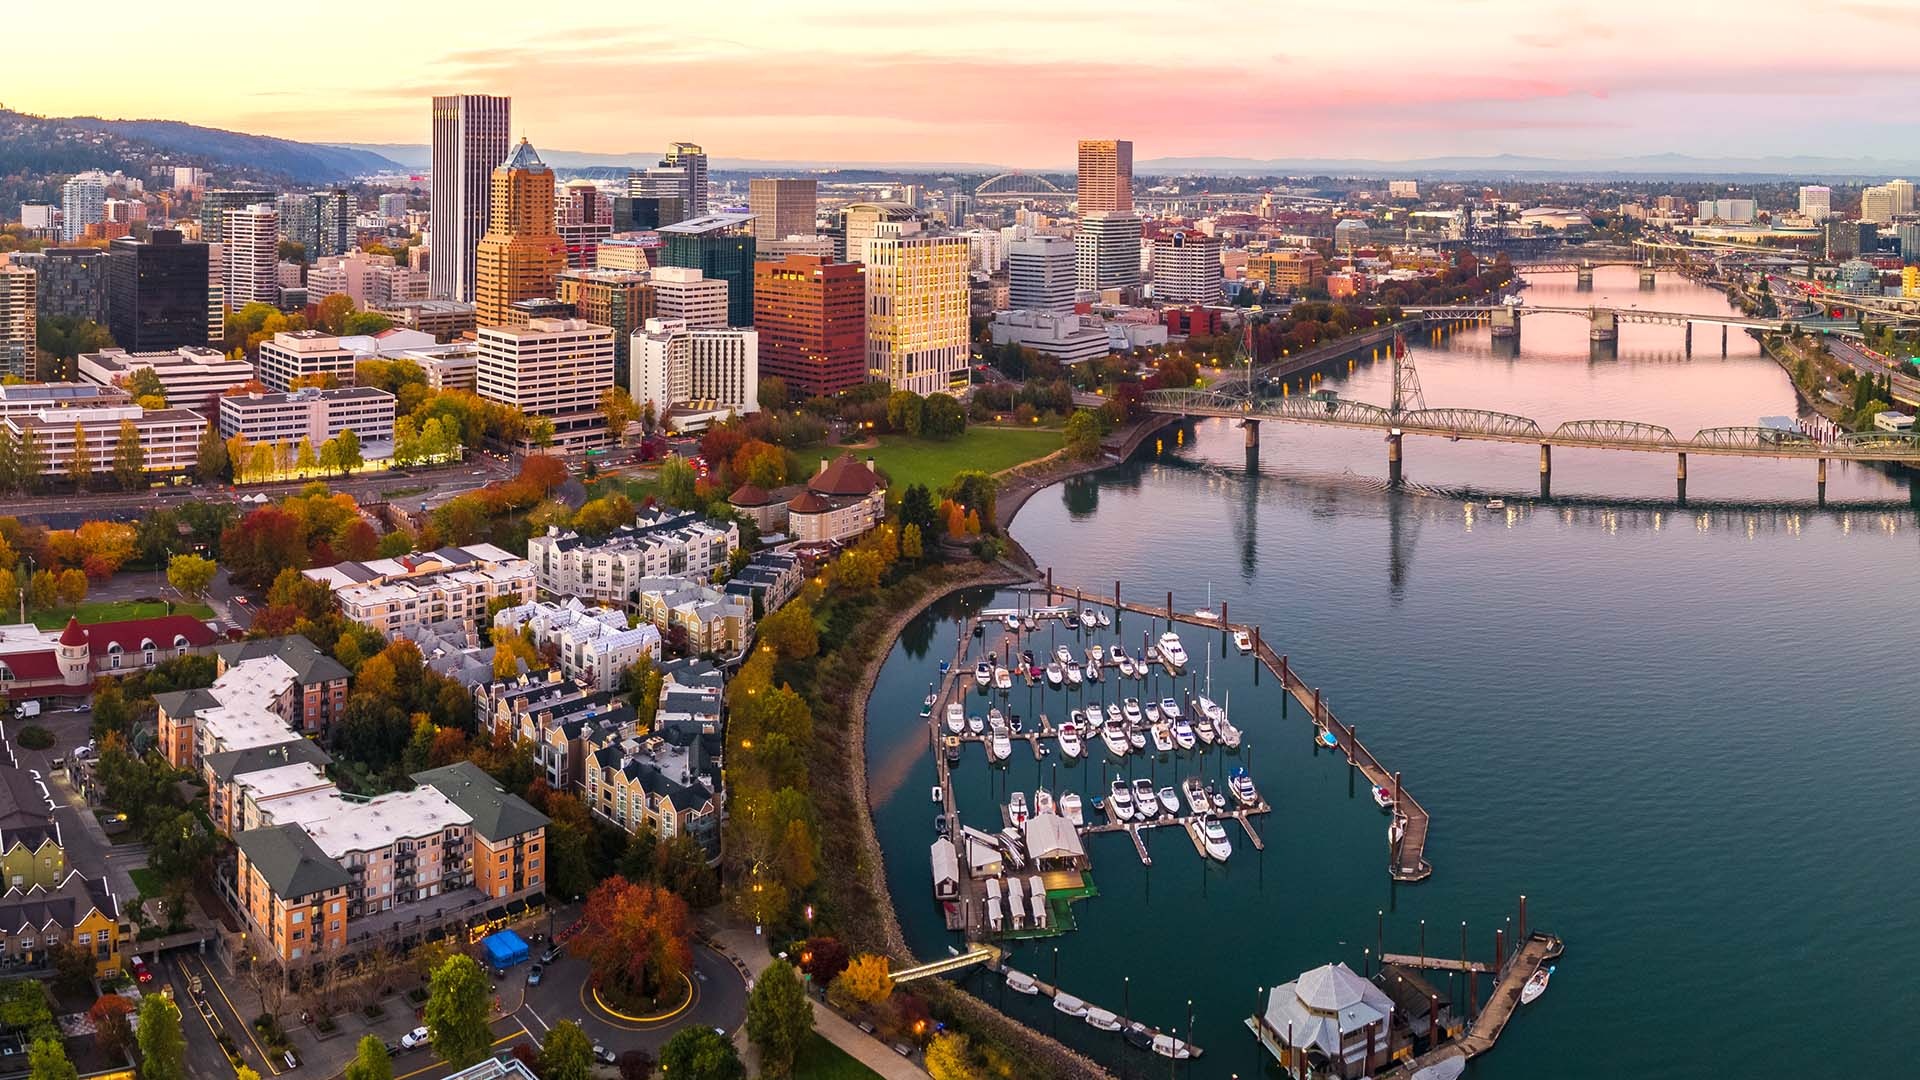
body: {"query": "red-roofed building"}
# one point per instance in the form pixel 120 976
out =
pixel 36 662
pixel 842 501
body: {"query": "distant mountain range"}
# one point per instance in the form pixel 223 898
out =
pixel 1501 165
pixel 306 163
pixel 418 156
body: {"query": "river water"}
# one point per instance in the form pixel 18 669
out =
pixel 1686 733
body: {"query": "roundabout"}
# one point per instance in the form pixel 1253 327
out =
pixel 595 1005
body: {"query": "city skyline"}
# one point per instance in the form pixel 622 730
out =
pixel 827 83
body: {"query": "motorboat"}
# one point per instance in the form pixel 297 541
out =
pixel 1055 675
pixel 942 825
pixel 1074 676
pixel 1203 727
pixel 1013 621
pixel 1169 1047
pixel 1063 654
pixel 1170 708
pixel 1029 622
pixel 1115 737
pixel 937 793
pixel 1014 723
pixel 1067 1003
pixel 1093 716
pixel 1126 665
pixel 1130 709
pixel 1162 738
pixel 1017 812
pixel 1243 641
pixel 1138 1035
pixel 1183 735
pixel 1535 986
pixel 1216 798
pixel 1145 802
pixel 1136 739
pixel 1002 679
pixel 1104 619
pixel 1499 504
pixel 1088 619
pixel 995 920
pixel 1000 745
pixel 995 718
pixel 1169 801
pixel 953 750
pixel 1070 809
pixel 1383 796
pixel 1153 713
pixel 1212 838
pixel 1102 1019
pixel 1205 708
pixel 1327 739
pixel 1196 792
pixel 1022 983
pixel 926 703
pixel 1093 671
pixel 956 718
pixel 1240 786
pixel 983 674
pixel 1095 654
pixel 976 725
pixel 1172 653
pixel 1042 801
pixel 1114 713
pixel 1069 737
pixel 1120 799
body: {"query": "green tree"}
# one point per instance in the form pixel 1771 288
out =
pixel 974 491
pixel 48 1061
pixel 210 462
pixel 1083 435
pixel 145 382
pixel 568 1053
pixel 80 465
pixel 63 338
pixel 370 1061
pixel 191 574
pixel 778 1018
pixel 30 461
pixel 700 1053
pixel 906 412
pixel 946 418
pixel 678 482
pixel 457 1002
pixel 163 1050
pixel 347 451
pixel 129 459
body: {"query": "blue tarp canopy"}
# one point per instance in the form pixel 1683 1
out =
pixel 505 949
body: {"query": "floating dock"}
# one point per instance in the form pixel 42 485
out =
pixel 1533 954
pixel 1051 992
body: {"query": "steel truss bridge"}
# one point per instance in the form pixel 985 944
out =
pixel 1471 312
pixel 1488 426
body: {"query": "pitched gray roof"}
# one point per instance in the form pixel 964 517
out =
pixel 231 763
pixel 181 704
pixel 497 814
pixel 290 862
pixel 309 664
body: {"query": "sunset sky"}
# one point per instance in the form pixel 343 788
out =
pixel 1013 83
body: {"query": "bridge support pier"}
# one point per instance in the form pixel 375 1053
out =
pixel 1583 279
pixel 1821 497
pixel 1680 479
pixel 1723 339
pixel 1252 429
pixel 1647 280
pixel 1689 339
pixel 1546 470
pixel 1393 458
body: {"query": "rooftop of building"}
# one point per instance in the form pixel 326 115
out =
pixel 708 223
pixel 309 663
pixel 412 564
pixel 290 862
pixel 845 476
pixel 267 757
pixel 283 780
pixel 60 393
pixel 103 416
pixel 66 905
pixel 524 157
pixel 497 814
pixel 340 825
pixel 306 394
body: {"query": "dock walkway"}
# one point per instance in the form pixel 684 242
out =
pixel 1051 992
pixel 1486 1028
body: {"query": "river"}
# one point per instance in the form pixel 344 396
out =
pixel 1686 733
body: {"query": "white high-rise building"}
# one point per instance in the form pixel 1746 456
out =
pixel 1876 204
pixel 988 249
pixel 1902 195
pixel 686 294
pixel 1107 252
pixel 917 287
pixel 83 202
pixel 1041 274
pixel 555 368
pixel 1186 269
pixel 691 157
pixel 251 254
pixel 470 138
pixel 674 364
pixel 1816 201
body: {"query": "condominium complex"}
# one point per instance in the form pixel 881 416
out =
pixel 917 290
pixel 18 320
pixel 689 296
pixel 1106 250
pixel 595 644
pixel 305 354
pixel 1041 274
pixel 1186 269
pixel 1106 176
pixel 658 544
pixel 556 368
pixel 303 689
pixel 782 208
pixel 82 203
pixel 372 281
pixel 312 415
pixel 169 438
pixel 700 618
pixel 250 255
pixel 719 246
pixel 521 254
pixel 158 292
pixel 394 596
pixel 193 376
pixel 811 314
pixel 470 137
pixel 701 371
pixel 842 501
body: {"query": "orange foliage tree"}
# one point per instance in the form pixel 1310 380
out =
pixel 636 937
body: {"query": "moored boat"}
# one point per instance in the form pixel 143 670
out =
pixel 1095 654
pixel 926 703
pixel 1115 737
pixel 1017 808
pixel 976 725
pixel 1243 641
pixel 1074 675
pixel 1102 1019
pixel 994 918
pixel 1088 619
pixel 1183 735
pixel 1169 1047
pixel 1138 1035
pixel 1126 665
pixel 1172 653
pixel 956 718
pixel 1535 986
pixel 1013 621
pixel 1240 786
pixel 1203 727
pixel 1383 796
pixel 1327 739
pixel 1070 809
pixel 1213 839
pixel 1215 797
pixel 1120 799
pixel 1114 713
pixel 1043 801
pixel 1022 983
pixel 1130 709
pixel 1228 735
pixel 1063 654
pixel 1169 801
pixel 1067 1003
pixel 1162 738
pixel 1145 802
pixel 1136 739
pixel 1196 792
pixel 983 674
pixel 1055 675
pixel 1069 738
pixel 1002 679
pixel 1101 617
pixel 1000 745
pixel 1170 708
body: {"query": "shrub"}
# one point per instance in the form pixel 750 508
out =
pixel 35 737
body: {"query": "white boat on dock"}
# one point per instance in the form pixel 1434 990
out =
pixel 1114 713
pixel 1162 738
pixel 1000 745
pixel 1211 838
pixel 1067 1003
pixel 983 675
pixel 1243 641
pixel 1169 801
pixel 1042 801
pixel 1172 653
pixel 1092 670
pixel 1070 809
pixel 1383 796
pixel 1240 786
pixel 1136 739
pixel 926 703
pixel 976 725
pixel 1183 735
pixel 1120 800
pixel 1145 803
pixel 1535 986
pixel 1063 654
pixel 1017 808
pixel 1069 737
pixel 1170 709
pixel 1095 654
pixel 956 718
pixel 1100 616
pixel 1196 792
pixel 1088 619
pixel 1055 674
pixel 1130 709
pixel 1102 1019
pixel 1115 737
pixel 1002 679
pixel 1022 983
pixel 1169 1047
pixel 1126 665
pixel 1074 676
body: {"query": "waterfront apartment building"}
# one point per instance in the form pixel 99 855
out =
pixel 811 314
pixel 310 414
pixel 471 135
pixel 658 544
pixel 1106 177
pixel 689 296
pixel 666 781
pixel 193 376
pixel 556 368
pixel 394 596
pixel 1187 269
pixel 521 253
pixel 19 320
pixel 250 255
pixel 1041 274
pixel 83 201
pixel 72 282
pixel 703 371
pixel 595 644
pixel 782 208
pixel 304 354
pixel 917 307
pixel 1106 248
pixel 703 619
pixel 169 438
pixel 621 300
pixel 719 246
pixel 157 292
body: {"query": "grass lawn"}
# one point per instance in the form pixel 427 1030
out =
pixel 636 489
pixel 147 882
pixel 117 611
pixel 819 1059
pixel 932 462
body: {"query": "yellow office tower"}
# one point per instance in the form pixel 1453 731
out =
pixel 522 253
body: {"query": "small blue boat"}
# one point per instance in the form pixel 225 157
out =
pixel 1329 739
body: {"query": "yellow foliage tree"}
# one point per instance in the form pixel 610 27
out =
pixel 947 1058
pixel 866 979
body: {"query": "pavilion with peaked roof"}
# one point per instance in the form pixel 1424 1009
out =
pixel 841 502
pixel 1331 1020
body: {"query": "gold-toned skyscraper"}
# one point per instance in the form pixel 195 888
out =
pixel 1106 176
pixel 522 253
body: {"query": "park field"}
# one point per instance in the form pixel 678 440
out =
pixel 933 462
pixel 819 1059
pixel 117 611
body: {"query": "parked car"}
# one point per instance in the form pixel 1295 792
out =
pixel 415 1038
pixel 603 1055
pixel 140 971
pixel 552 954
pixel 533 975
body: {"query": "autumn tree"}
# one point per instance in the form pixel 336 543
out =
pixel 210 460
pixel 191 574
pixel 948 1059
pixel 129 458
pixel 636 938
pixel 568 1053
pixel 792 631
pixel 112 1031
pixel 678 483
pixel 80 464
pixel 72 587
pixel 866 980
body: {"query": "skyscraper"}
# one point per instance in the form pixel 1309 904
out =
pixel 1106 250
pixel 812 317
pixel 1816 201
pixel 73 281
pixel 334 212
pixel 917 290
pixel 215 204
pixel 1106 176
pixel 621 299
pixel 689 156
pixel 521 253
pixel 782 208
pixel 300 221
pixel 470 137
pixel 717 245
pixel 1186 269
pixel 1877 203
pixel 1040 274
pixel 250 255
pixel 83 202
pixel 17 320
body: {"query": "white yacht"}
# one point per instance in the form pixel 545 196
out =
pixel 1070 809
pixel 983 675
pixel 1170 709
pixel 1126 664
pixel 1055 675
pixel 976 725
pixel 1022 983
pixel 1240 786
pixel 1063 654
pixel 1088 619
pixel 1130 708
pixel 1183 734
pixel 1100 616
pixel 1103 1019
pixel 1017 808
pixel 1000 744
pixel 1212 838
pixel 1145 802
pixel 1074 676
pixel 1196 791
pixel 1162 738
pixel 1042 801
pixel 1169 801
pixel 1113 712
pixel 956 718
pixel 1115 737
pixel 1243 641
pixel 1002 679
pixel 1172 653
pixel 1095 654
pixel 1069 737
pixel 1120 798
